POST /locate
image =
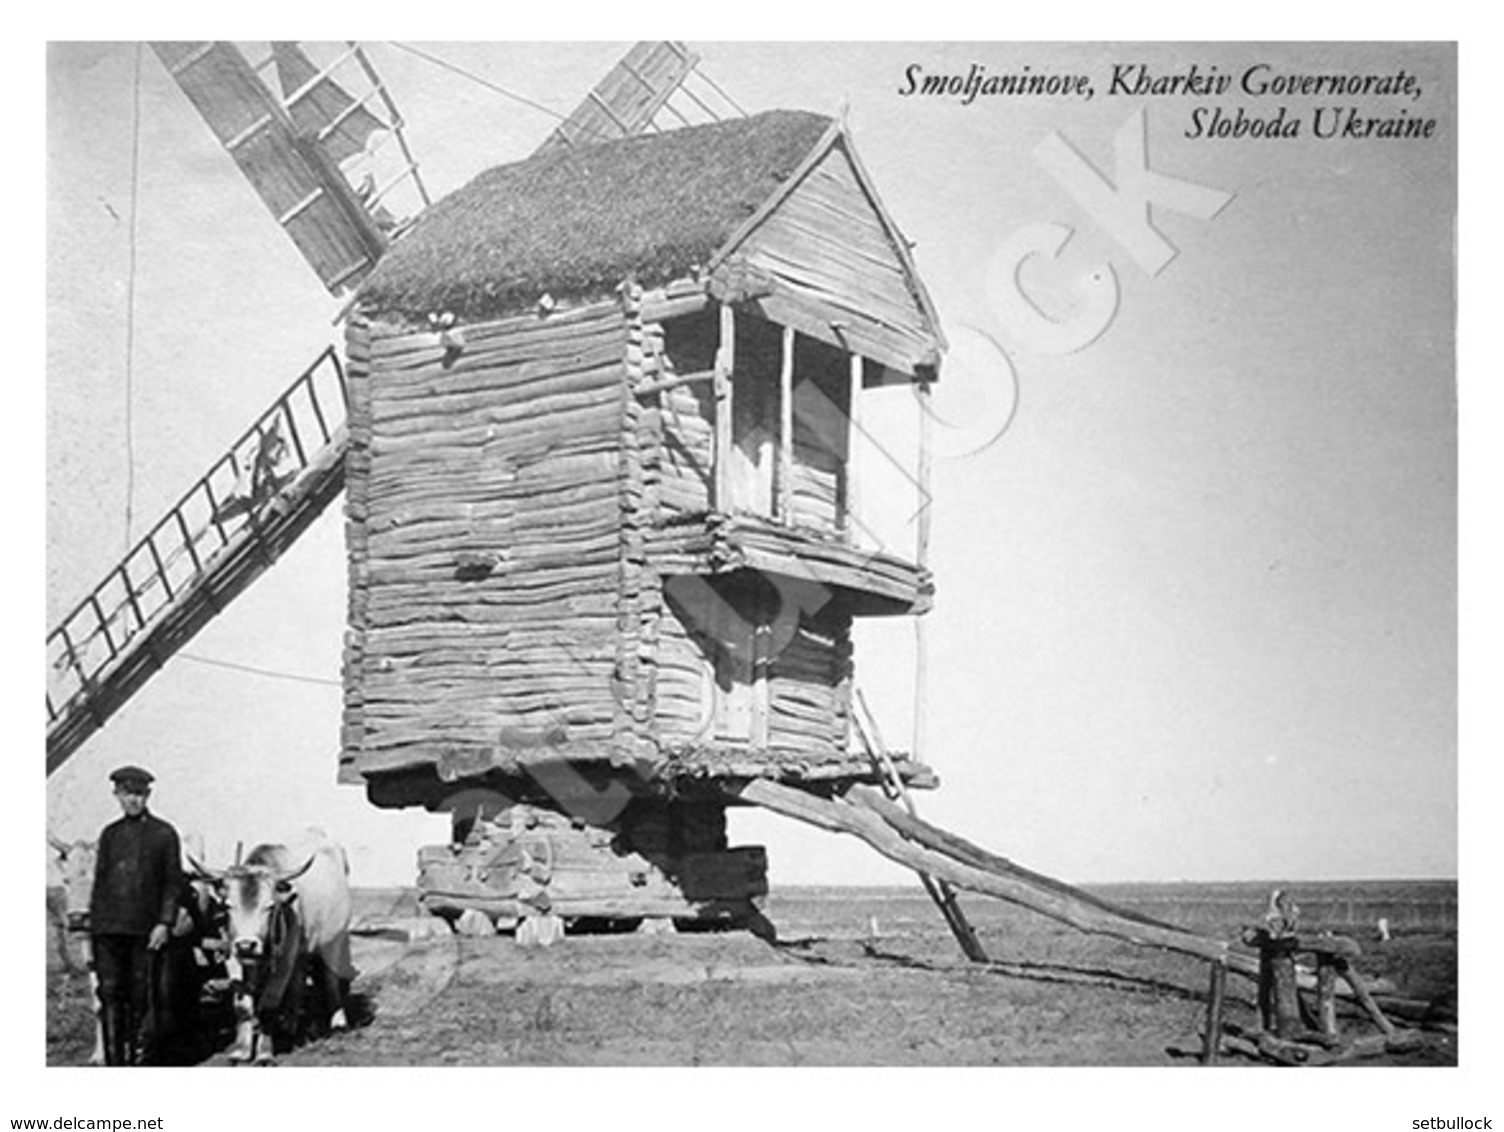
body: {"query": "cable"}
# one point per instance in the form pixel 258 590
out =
pixel 130 309
pixel 434 59
pixel 717 88
pixel 296 677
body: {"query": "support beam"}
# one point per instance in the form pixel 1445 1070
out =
pixel 921 559
pixel 940 892
pixel 1057 901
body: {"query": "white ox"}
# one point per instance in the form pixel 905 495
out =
pixel 75 862
pixel 289 910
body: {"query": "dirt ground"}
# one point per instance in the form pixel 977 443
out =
pixel 856 978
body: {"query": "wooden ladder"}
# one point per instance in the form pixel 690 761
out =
pixel 893 785
pixel 231 525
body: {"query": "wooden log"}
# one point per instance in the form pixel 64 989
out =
pixel 1282 1001
pixel 1054 900
pixel 967 853
pixel 1215 998
pixel 1326 995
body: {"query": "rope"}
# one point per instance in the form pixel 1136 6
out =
pixel 260 671
pixel 130 307
pixel 501 90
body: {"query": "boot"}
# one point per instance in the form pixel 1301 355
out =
pixel 144 1051
pixel 113 1021
pixel 132 1038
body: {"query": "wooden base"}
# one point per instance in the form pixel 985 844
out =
pixel 666 861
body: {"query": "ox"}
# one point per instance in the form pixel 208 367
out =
pixel 289 917
pixel 75 861
pixel 187 963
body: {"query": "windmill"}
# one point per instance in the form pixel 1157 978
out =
pixel 326 149
pixel 726 383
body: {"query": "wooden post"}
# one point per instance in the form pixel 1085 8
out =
pixel 921 558
pixel 1326 994
pixel 725 364
pixel 940 892
pixel 1216 994
pixel 1284 993
pixel 784 508
pixel 922 476
pixel 851 521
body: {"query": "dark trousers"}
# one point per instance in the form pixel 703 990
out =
pixel 123 967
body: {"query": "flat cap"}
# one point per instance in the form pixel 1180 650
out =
pixel 131 776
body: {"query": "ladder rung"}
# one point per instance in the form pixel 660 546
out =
pixel 303 91
pixel 196 55
pixel 302 206
pixel 345 114
pixel 364 261
pixel 607 111
pixel 249 132
pixel 410 171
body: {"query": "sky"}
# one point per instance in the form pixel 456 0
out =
pixel 1196 608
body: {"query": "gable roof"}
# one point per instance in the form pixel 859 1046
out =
pixel 578 221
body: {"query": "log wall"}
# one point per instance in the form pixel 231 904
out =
pixel 485 539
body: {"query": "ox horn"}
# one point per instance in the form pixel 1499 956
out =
pixel 239 848
pixel 202 873
pixel 284 878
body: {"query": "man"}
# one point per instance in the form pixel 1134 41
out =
pixel 131 912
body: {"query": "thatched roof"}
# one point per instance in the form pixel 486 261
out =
pixel 576 222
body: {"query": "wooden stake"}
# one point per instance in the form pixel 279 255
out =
pixel 1216 994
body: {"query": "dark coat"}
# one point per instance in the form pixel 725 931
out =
pixel 137 878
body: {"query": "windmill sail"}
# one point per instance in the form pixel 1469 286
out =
pixel 320 107
pixel 294 176
pixel 624 102
pixel 230 526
